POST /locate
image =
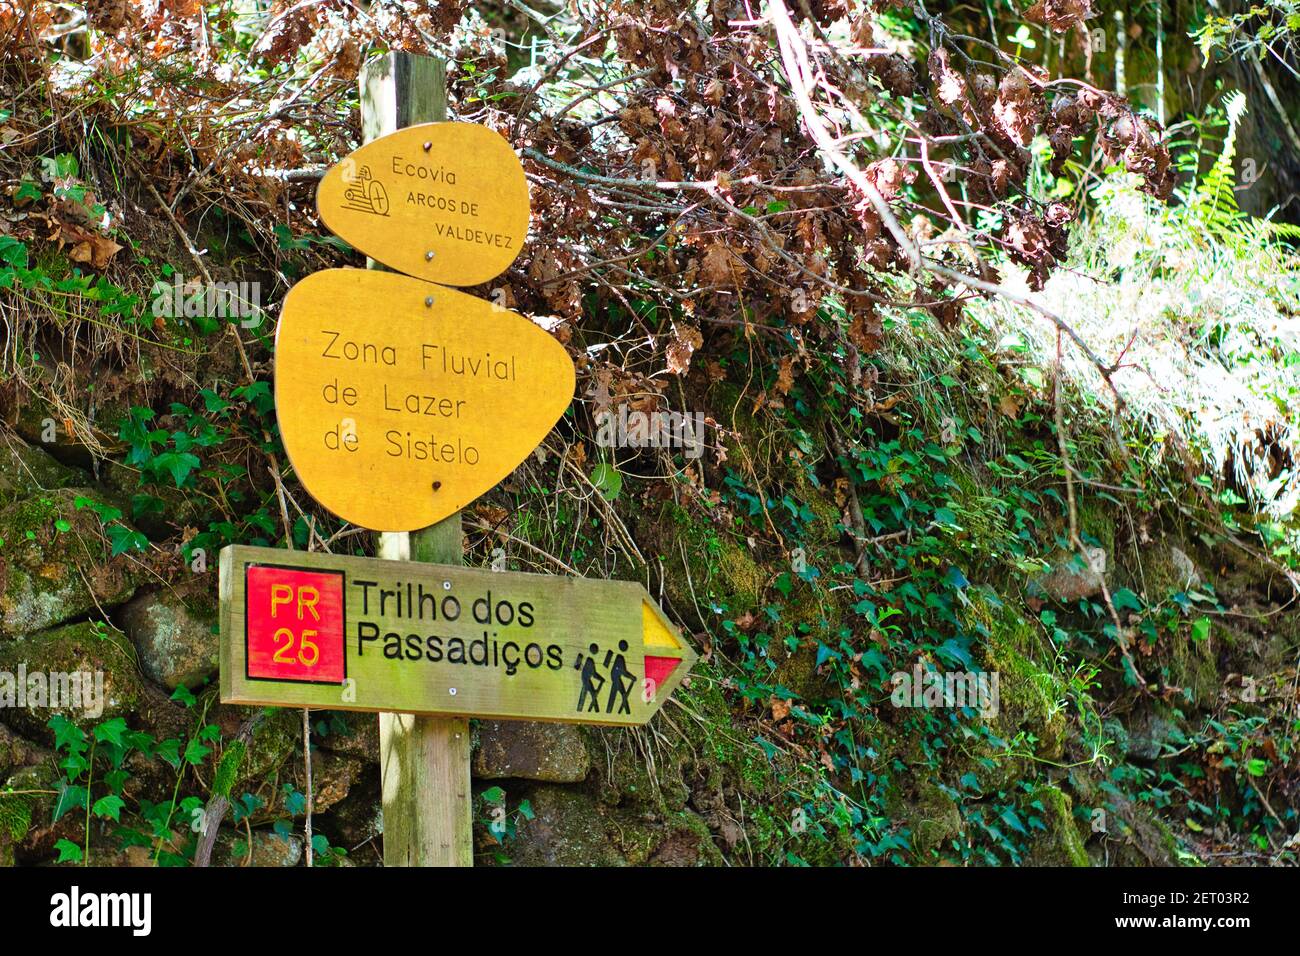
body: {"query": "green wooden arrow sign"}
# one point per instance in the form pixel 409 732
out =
pixel 344 633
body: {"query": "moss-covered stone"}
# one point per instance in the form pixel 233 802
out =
pixel 275 739
pixel 174 632
pixel 1166 569
pixel 1069 578
pixel 232 848
pixel 556 753
pixel 37 783
pixel 935 821
pixel 347 732
pixel 33 419
pixel 1062 844
pixel 719 577
pixel 107 683
pixel 1031 698
pixel 1097 524
pixel 567 829
pixel 15 751
pixel 26 471
pixel 56 564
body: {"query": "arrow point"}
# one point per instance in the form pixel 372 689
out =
pixel 656 632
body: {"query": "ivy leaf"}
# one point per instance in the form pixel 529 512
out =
pixel 69 852
pixel 246 806
pixel 1256 767
pixel 111 731
pixel 71 797
pixel 607 480
pixel 1200 629
pixel 67 734
pixel 954 650
pixel 178 463
pixel 109 808
pixel 125 539
pixel 1125 598
pixel 294 801
pixel 195 752
pixel 1010 819
pixel 170 751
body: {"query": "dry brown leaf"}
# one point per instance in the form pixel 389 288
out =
pixel 686 339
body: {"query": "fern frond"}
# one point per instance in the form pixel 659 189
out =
pixel 1213 204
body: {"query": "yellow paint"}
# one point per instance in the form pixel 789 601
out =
pixel 446 202
pixel 396 413
pixel 653 631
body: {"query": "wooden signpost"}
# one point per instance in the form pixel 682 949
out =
pixel 346 633
pixel 396 424
pixel 400 401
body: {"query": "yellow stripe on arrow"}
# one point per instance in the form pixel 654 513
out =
pixel 653 631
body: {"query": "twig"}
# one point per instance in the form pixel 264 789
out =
pixel 215 811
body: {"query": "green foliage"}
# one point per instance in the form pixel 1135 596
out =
pixel 500 822
pixel 95 767
pixel 1212 204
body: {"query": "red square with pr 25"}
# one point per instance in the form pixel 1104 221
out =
pixel 294 625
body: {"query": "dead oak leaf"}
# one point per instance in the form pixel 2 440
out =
pixel 94 251
pixel 686 339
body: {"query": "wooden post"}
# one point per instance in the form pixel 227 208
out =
pixel 424 761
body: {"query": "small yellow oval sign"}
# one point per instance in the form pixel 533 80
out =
pixel 446 202
pixel 400 402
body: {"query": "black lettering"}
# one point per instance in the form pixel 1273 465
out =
pixel 365 632
pixel 508 616
pixel 365 593
pixel 511 665
pixel 432 598
pixel 477 646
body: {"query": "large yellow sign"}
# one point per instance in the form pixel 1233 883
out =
pixel 400 401
pixel 446 202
